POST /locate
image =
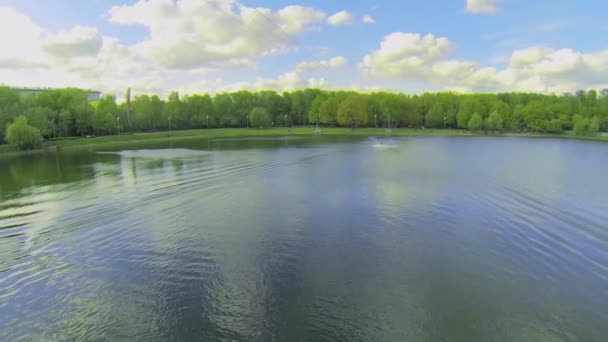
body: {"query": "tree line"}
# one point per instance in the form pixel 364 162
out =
pixel 67 112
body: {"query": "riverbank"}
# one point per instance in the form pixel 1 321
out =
pixel 125 140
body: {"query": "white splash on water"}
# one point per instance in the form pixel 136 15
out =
pixel 384 143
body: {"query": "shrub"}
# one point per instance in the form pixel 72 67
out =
pixel 22 135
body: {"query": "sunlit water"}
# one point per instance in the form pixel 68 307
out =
pixel 438 239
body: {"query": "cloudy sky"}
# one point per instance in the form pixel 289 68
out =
pixel 222 45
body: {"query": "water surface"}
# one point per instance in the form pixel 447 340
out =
pixel 308 239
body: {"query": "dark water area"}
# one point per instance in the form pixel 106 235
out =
pixel 308 239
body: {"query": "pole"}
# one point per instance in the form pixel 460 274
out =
pixel 285 117
pixel 169 125
pixel 375 120
pixel 207 121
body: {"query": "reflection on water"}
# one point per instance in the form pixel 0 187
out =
pixel 169 153
pixel 459 239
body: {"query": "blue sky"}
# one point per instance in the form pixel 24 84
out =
pixel 221 45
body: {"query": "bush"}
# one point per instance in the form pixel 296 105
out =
pixel 22 135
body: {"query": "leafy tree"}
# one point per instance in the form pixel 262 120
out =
pixel 504 112
pixel 475 122
pixel 259 117
pixel 469 104
pixel 400 110
pixel 410 111
pixel 223 109
pixel 315 108
pixel 374 110
pixel 72 104
pixel 67 112
pixel 242 103
pixel 353 111
pixel 329 111
pixel 40 118
pixel 105 111
pixel 536 114
pixel 435 117
pixel 20 134
pixel 174 113
pixel 554 126
pixel 517 121
pixel 594 126
pixel 198 111
pixel 297 103
pixel 494 122
pixel 9 102
pixel 275 103
pixel 581 125
pixel 462 119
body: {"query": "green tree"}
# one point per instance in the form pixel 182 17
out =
pixel 400 110
pixel 352 111
pixel 328 111
pixel 20 134
pixel 259 117
pixel 581 125
pixel 315 109
pixel 554 126
pixel 174 113
pixel 469 104
pixel 197 111
pixel 72 104
pixel 594 126
pixel 435 118
pixel 41 118
pixel 105 111
pixel 9 103
pixel 475 122
pixel 494 122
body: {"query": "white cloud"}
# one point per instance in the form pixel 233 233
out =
pixel 20 39
pixel 334 62
pixel 76 42
pixel 341 18
pixel 192 33
pixel 404 54
pixel 482 6
pixel 192 44
pixel 368 19
pixel 291 80
pixel 408 56
pixel 186 40
pixel 76 57
pixel 34 47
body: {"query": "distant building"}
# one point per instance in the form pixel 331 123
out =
pixel 24 93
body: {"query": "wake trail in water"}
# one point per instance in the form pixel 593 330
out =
pixel 563 241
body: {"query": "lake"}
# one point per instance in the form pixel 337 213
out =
pixel 308 239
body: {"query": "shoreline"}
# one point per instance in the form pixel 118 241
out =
pixel 138 138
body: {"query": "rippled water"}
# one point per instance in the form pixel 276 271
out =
pixel 438 239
